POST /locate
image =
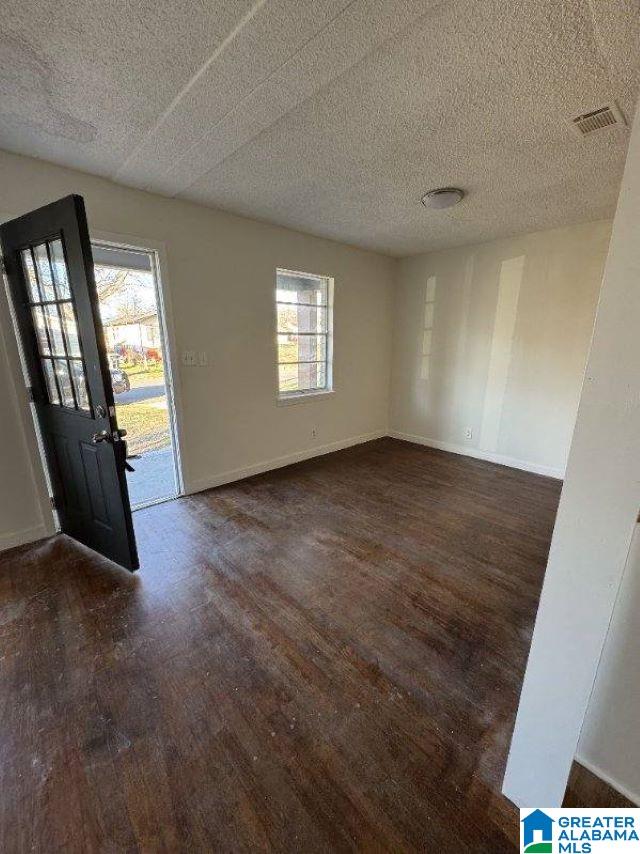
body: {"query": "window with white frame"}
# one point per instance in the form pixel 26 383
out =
pixel 304 316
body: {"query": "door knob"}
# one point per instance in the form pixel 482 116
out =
pixel 108 436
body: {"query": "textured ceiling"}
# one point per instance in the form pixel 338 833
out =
pixel 332 116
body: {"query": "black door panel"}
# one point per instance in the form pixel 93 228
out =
pixel 47 256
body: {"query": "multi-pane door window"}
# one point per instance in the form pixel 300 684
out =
pixel 55 325
pixel 304 306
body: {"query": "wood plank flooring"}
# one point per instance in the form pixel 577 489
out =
pixel 585 789
pixel 323 658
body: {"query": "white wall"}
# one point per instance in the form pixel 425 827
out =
pixel 494 338
pixel 24 512
pixel 594 526
pixel 609 743
pixel 221 271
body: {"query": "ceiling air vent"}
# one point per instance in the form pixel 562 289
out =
pixel 598 120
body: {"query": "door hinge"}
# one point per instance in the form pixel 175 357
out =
pixel 31 394
pixel 54 503
pixel 3 266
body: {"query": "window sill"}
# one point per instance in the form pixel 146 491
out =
pixel 304 397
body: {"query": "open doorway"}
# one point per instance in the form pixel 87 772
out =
pixel 131 310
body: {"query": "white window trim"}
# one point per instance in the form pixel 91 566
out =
pixel 304 396
pixel 293 397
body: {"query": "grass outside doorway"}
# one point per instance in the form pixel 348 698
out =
pixel 146 421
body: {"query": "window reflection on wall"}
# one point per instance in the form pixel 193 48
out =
pixel 504 325
pixel 427 332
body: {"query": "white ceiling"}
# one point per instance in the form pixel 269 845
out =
pixel 332 116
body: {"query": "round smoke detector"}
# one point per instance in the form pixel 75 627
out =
pixel 446 197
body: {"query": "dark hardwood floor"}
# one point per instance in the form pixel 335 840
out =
pixel 585 789
pixel 323 658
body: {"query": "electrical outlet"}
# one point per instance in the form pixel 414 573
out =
pixel 469 433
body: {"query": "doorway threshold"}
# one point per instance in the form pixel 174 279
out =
pixel 152 502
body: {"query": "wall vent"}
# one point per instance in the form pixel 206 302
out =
pixel 598 120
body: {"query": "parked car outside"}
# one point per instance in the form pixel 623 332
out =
pixel 119 381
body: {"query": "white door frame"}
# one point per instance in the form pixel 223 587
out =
pixel 158 254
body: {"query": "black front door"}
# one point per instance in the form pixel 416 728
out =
pixel 48 262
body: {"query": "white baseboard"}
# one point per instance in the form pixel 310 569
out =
pixel 280 462
pixel 21 538
pixel 479 454
pixel 39 532
pixel 634 797
pixel 298 456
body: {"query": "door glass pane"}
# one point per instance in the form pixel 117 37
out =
pixel 55 329
pixel 47 368
pixel 80 384
pixel 44 272
pixel 55 325
pixel 60 274
pixel 64 381
pixel 41 331
pixel 70 328
pixel 30 275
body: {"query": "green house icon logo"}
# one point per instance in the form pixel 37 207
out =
pixel 537 833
